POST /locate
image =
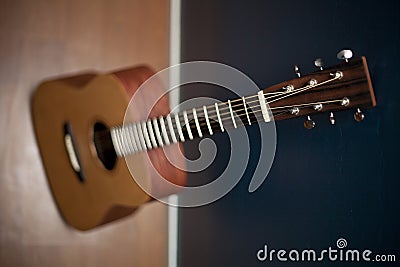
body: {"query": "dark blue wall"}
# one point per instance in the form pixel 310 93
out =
pixel 326 183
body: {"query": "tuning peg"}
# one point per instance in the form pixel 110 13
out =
pixel 345 54
pixel 319 63
pixel 345 101
pixel 359 115
pixel 318 107
pixel 295 111
pixel 309 123
pixel 289 88
pixel 332 118
pixel 297 71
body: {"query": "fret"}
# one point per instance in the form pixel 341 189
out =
pixel 207 120
pixel 157 132
pixel 187 125
pixel 129 140
pixel 122 141
pixel 132 139
pixel 196 120
pixel 136 136
pixel 141 137
pixel 219 118
pixel 146 135
pixel 151 131
pixel 164 130
pixel 115 141
pixel 158 135
pixel 230 110
pixel 245 109
pixel 125 141
pixel 178 126
pixel 263 105
pixel 171 129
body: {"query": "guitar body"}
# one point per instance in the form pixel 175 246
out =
pixel 92 193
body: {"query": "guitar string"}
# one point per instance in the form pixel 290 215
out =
pixel 239 113
pixel 275 94
pixel 252 108
pixel 275 114
pixel 257 116
pixel 288 109
pixel 211 110
pixel 279 107
pixel 227 115
pixel 284 93
pixel 230 125
pixel 224 105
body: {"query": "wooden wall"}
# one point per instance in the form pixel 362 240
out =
pixel 40 39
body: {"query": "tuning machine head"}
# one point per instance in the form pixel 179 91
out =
pixel 332 119
pixel 309 123
pixel 359 115
pixel 345 54
pixel 319 63
pixel 294 111
pixel 297 70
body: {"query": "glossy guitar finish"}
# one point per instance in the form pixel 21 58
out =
pixel 97 195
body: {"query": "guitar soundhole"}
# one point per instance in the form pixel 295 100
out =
pixel 103 144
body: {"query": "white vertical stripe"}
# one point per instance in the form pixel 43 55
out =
pixel 164 130
pixel 233 118
pixel 219 118
pixel 196 120
pixel 174 58
pixel 146 135
pixel 173 231
pixel 171 128
pixel 187 125
pixel 121 141
pixel 174 50
pixel 245 108
pixel 131 133
pixel 158 135
pixel 115 142
pixel 263 105
pixel 178 126
pixel 141 137
pixel 207 120
pixel 151 131
pixel 130 143
pixel 137 139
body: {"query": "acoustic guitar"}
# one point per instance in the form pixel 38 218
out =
pixel 78 124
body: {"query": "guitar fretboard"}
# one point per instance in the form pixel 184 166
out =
pixel 140 136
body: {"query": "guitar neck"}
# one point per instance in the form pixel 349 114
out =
pixel 344 86
pixel 186 125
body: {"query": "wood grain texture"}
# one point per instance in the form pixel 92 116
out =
pixel 40 39
pixel 355 85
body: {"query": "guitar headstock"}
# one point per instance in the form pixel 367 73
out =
pixel 340 87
